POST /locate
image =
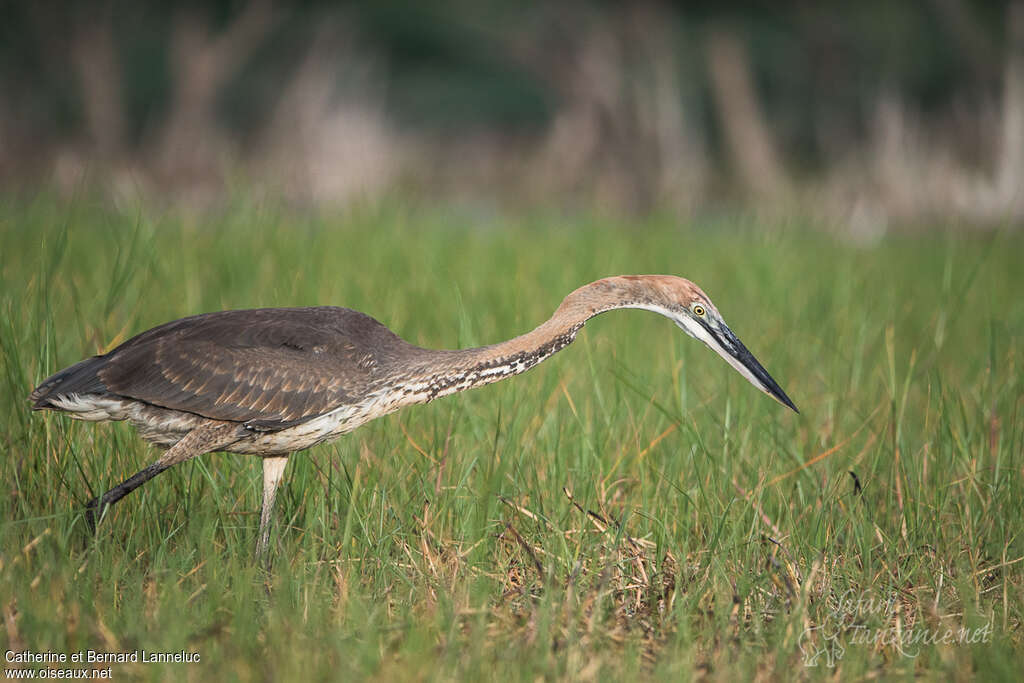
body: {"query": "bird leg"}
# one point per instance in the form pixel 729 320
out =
pixel 273 471
pixel 203 439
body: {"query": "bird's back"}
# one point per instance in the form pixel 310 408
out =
pixel 268 368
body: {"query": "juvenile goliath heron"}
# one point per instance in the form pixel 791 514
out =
pixel 273 381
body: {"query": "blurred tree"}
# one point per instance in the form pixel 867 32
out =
pixel 638 104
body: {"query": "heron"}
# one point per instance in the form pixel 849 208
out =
pixel 273 381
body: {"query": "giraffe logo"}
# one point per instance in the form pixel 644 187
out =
pixel 816 641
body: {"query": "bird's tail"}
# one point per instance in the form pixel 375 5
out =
pixel 81 378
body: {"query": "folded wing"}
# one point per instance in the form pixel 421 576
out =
pixel 267 368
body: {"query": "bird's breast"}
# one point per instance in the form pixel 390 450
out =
pixel 320 429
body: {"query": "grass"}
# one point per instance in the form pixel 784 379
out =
pixel 630 508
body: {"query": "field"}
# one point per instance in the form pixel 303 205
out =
pixel 630 508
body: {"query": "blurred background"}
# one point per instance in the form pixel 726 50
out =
pixel 861 114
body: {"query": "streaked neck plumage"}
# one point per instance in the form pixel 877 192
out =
pixel 435 373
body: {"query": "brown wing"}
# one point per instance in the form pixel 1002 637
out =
pixel 269 368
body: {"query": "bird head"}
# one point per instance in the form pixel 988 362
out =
pixel 689 307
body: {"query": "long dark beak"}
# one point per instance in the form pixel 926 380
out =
pixel 729 347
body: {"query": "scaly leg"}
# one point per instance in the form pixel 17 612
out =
pixel 209 437
pixel 273 471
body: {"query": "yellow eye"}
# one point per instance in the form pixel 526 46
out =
pixel 698 310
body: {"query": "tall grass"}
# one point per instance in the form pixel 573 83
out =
pixel 630 507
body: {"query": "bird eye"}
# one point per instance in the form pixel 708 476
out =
pixel 698 310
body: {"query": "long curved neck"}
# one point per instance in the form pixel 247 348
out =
pixel 431 374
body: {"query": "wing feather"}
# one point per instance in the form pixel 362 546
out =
pixel 270 368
